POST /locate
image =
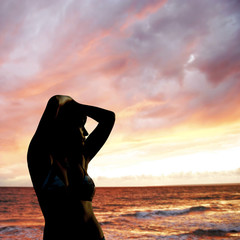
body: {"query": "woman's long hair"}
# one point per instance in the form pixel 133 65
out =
pixel 66 139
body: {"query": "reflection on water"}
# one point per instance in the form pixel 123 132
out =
pixel 184 212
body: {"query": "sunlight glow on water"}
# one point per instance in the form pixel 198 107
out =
pixel 194 212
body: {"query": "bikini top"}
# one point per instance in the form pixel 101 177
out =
pixel 85 189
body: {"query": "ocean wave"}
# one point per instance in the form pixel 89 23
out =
pixel 114 205
pixel 9 229
pixel 106 223
pixel 5 201
pixel 215 232
pixel 166 213
pixel 201 198
pixel 21 232
pixel 203 233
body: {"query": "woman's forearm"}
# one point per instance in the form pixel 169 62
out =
pixel 99 135
pixel 98 114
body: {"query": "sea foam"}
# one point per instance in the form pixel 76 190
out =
pixel 165 213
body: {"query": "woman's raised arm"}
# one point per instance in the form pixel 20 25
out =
pixel 75 111
pixel 99 135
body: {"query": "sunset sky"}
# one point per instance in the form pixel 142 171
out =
pixel 169 69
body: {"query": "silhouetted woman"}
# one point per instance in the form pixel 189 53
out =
pixel 58 158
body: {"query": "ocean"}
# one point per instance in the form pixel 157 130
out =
pixel 176 212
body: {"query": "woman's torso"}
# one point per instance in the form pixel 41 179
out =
pixel 65 197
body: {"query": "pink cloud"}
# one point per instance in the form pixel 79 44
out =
pixel 128 56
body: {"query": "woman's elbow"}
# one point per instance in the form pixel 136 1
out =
pixel 111 117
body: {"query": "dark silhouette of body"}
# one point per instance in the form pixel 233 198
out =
pixel 58 158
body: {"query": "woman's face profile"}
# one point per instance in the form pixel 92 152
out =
pixel 81 120
pixel 83 132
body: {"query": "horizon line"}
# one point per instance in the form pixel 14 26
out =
pixel 166 185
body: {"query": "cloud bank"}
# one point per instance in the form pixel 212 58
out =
pixel 169 70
